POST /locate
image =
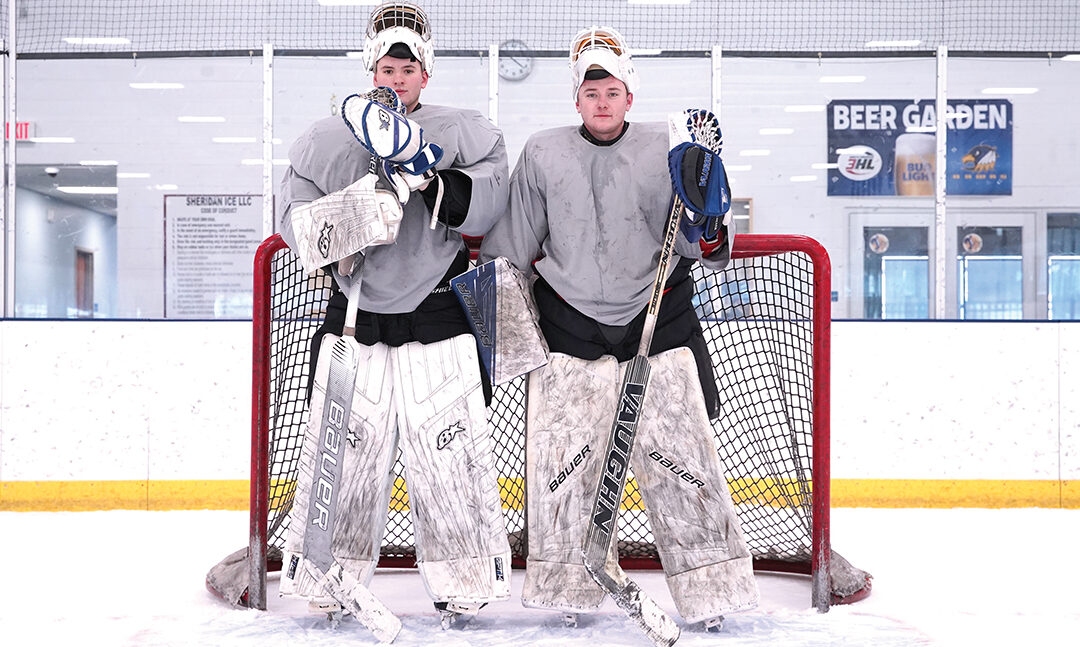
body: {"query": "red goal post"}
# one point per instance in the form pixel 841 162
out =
pixel 766 320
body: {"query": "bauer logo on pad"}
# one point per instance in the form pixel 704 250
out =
pixel 503 318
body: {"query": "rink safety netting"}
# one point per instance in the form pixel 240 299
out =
pixel 121 28
pixel 758 319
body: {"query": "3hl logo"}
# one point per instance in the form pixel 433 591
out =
pixel 860 163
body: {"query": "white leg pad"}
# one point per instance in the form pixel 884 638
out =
pixel 696 529
pixel 558 585
pixel 715 590
pixel 364 494
pixel 571 407
pixel 462 550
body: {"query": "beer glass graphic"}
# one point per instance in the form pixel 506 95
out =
pixel 914 166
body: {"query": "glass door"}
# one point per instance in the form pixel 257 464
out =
pixel 993 273
pixel 990 273
pixel 1063 266
pixel 892 255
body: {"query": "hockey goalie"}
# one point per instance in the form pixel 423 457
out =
pixel 380 198
pixel 591 202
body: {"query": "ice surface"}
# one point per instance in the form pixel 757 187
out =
pixel 941 577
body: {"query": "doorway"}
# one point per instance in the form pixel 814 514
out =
pixel 84 283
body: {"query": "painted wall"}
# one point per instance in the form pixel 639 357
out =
pixel 157 414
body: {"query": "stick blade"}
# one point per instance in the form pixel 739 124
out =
pixel 656 624
pixel 351 594
pixel 368 609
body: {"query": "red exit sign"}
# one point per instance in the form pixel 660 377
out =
pixel 22 130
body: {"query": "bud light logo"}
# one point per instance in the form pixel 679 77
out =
pixel 858 163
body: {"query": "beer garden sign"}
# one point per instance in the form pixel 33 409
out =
pixel 887 147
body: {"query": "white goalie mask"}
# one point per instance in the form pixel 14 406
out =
pixel 399 22
pixel 601 48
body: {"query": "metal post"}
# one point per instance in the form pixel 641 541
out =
pixel 9 164
pixel 268 140
pixel 493 84
pixel 940 130
pixel 716 80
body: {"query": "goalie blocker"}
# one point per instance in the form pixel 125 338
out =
pixel 344 223
pixel 503 317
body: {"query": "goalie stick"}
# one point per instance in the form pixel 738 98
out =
pixel 702 127
pixel 317 557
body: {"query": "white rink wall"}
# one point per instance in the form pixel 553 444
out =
pixel 123 401
pixel 949 400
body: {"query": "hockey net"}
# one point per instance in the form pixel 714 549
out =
pixel 766 320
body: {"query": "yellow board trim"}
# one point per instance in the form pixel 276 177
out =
pixel 941 493
pixel 55 496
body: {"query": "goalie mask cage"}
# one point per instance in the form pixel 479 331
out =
pixel 766 320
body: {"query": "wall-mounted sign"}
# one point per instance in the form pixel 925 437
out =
pixel 884 147
pixel 22 130
pixel 210 243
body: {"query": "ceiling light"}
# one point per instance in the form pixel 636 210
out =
pixel 191 119
pixel 52 140
pixel 233 140
pixel 1010 90
pixel 98 162
pixel 803 178
pixel 824 165
pixel 853 78
pixel 755 152
pixel 96 40
pixel 156 86
pixel 88 190
pixel 812 108
pixel 131 175
pixel 893 43
pixel 776 131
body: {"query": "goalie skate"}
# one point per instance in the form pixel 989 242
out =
pixel 457 614
pixel 328 607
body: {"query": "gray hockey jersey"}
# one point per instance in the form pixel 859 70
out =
pixel 595 216
pixel 395 278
